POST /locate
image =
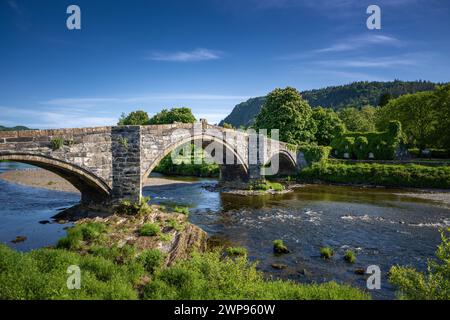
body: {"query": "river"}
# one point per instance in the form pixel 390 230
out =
pixel 383 226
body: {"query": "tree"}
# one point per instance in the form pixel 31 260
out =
pixel 417 114
pixel 384 99
pixel 135 118
pixel 442 110
pixel 286 110
pixel 329 125
pixel 358 120
pixel 183 115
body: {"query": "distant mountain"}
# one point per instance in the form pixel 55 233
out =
pixel 17 128
pixel 356 94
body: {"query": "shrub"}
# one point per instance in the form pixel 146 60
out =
pixel 91 231
pixel 350 256
pixel 326 252
pixel 209 276
pixel 380 174
pixel 57 143
pixel 149 229
pixel 174 224
pixel 125 254
pixel 432 285
pixel 358 145
pixel 236 251
pixel 127 207
pixel 151 259
pixel 314 153
pixel 279 247
pixel 182 210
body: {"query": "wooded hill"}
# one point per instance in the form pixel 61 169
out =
pixel 357 94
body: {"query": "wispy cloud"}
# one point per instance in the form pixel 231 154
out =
pixel 199 54
pixel 375 62
pixel 359 42
pixel 355 43
pixel 21 20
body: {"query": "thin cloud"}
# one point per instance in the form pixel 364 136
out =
pixel 347 45
pixel 359 42
pixel 376 62
pixel 200 54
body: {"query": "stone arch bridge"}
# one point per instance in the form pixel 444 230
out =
pixel 109 164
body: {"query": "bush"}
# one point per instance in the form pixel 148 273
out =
pixel 326 252
pixel 174 224
pixel 432 285
pixel 358 145
pixel 152 260
pixel 350 256
pixel 379 174
pixel 127 207
pixel 149 229
pixel 314 153
pixel 91 231
pixel 57 143
pixel 182 210
pixel 279 247
pixel 210 277
pixel 236 251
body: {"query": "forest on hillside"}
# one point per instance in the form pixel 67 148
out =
pixel 357 94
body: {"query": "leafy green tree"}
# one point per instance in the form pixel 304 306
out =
pixel 329 125
pixel 384 99
pixel 358 120
pixel 135 118
pixel 183 115
pixel 286 110
pixel 417 114
pixel 442 110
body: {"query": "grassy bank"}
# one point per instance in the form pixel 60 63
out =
pixel 131 272
pixel 379 174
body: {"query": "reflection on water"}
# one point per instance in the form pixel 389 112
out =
pixel 383 227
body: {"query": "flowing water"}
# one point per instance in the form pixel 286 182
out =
pixel 382 226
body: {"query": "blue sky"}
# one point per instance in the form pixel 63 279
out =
pixel 204 54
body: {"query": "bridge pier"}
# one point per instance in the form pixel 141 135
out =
pixel 126 164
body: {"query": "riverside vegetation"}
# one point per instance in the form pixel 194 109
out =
pixel 120 261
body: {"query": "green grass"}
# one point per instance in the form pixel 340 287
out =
pixel 279 247
pixel 151 259
pixel 130 208
pixel 209 276
pixel 326 252
pixel 350 256
pixel 182 210
pixel 42 274
pixel 236 251
pixel 174 224
pixel 149 229
pixel 91 231
pixel 380 174
pixel 266 185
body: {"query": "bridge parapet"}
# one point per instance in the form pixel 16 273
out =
pixel 112 162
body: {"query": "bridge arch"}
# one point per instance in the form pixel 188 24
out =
pixel 228 171
pixel 91 187
pixel 287 164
